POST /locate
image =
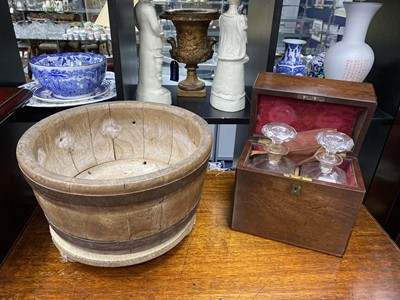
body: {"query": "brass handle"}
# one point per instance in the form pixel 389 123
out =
pixel 296 189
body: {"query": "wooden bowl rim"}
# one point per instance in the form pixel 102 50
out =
pixel 56 182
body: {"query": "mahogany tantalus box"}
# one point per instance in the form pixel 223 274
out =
pixel 301 211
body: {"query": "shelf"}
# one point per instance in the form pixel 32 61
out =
pixel 72 11
pixel 199 106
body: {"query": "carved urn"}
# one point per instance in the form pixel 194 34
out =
pixel 193 46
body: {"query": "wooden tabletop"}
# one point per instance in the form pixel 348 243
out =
pixel 213 262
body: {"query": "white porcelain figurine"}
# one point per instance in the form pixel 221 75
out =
pixel 150 58
pixel 227 93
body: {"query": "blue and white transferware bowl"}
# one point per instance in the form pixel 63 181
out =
pixel 69 75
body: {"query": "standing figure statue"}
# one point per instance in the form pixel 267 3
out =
pixel 227 93
pixel 150 58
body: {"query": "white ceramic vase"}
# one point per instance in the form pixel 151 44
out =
pixel 351 59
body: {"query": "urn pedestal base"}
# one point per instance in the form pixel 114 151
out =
pixel 196 94
pixel 191 86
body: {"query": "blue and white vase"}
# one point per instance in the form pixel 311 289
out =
pixel 291 62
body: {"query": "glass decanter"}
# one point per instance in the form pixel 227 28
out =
pixel 274 160
pixel 326 168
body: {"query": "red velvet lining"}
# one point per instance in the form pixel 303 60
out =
pixel 306 115
pixel 347 166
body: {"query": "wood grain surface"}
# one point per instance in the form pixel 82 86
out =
pixel 213 262
pixel 111 218
pixel 319 216
pixel 11 99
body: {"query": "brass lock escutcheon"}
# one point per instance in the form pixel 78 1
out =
pixel 311 98
pixel 296 189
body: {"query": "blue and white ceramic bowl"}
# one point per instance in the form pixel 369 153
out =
pixel 69 75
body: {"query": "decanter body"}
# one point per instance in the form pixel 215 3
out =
pixel 274 160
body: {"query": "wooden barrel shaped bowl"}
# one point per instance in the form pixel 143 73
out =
pixel 119 182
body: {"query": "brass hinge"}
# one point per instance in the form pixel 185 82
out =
pixel 297 177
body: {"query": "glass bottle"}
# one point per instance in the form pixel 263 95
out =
pixel 275 160
pixel 326 169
